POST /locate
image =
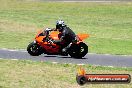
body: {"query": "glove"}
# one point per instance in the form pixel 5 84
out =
pixel 48 29
pixel 57 42
pixel 51 41
pixel 54 41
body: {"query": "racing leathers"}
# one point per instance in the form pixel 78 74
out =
pixel 66 36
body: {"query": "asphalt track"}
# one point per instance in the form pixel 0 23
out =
pixel 93 59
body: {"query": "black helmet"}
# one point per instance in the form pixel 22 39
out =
pixel 60 24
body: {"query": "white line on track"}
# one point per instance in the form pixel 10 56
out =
pixel 101 1
pixel 89 1
pixel 20 50
pixel 109 54
pixel 55 62
pixel 110 66
pixel 14 59
pixel 80 64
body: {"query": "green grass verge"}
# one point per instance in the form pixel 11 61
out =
pixel 32 74
pixel 109 24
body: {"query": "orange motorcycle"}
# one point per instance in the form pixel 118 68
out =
pixel 43 43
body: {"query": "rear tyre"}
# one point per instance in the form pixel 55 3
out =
pixel 34 49
pixel 78 50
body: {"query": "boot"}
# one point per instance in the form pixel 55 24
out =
pixel 65 50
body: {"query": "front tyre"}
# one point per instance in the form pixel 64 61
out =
pixel 34 49
pixel 78 50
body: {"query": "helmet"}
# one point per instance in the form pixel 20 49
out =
pixel 60 24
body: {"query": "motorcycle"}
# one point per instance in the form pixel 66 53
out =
pixel 43 43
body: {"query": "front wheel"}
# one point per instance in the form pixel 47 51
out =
pixel 34 49
pixel 78 50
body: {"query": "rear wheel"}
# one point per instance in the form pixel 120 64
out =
pixel 78 50
pixel 34 49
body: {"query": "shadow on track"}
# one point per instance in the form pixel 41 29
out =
pixel 51 56
pixel 57 56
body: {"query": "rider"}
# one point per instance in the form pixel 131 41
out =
pixel 66 35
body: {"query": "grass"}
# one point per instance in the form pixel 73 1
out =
pixel 109 24
pixel 32 74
